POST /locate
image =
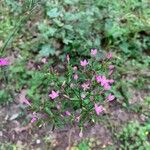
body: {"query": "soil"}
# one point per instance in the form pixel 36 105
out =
pixel 13 130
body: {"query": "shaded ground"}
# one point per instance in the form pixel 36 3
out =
pixel 14 131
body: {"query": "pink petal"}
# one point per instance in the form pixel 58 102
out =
pixel 98 109
pixel 54 95
pixel 33 119
pixel 98 78
pixel 110 72
pixel 26 102
pixel 4 62
pixel 84 63
pixel 68 113
pixel 110 97
pixel 111 81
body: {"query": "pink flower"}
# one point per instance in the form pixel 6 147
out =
pixel 4 62
pixel 67 113
pixel 85 86
pixel 110 97
pixel 84 63
pixel 104 82
pixel 54 95
pixel 98 109
pixel 109 55
pixel 75 76
pixel 33 119
pixel 93 52
pixel 26 102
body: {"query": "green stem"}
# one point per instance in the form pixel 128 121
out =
pixel 76 95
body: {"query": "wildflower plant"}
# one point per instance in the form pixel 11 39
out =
pixel 81 95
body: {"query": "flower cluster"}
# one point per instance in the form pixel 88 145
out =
pixel 104 82
pixel 86 88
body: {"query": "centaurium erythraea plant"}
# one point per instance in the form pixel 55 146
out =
pixel 82 93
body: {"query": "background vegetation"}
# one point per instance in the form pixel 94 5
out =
pixel 32 30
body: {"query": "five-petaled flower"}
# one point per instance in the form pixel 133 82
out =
pixel 85 86
pixel 54 94
pixel 98 109
pixel 84 63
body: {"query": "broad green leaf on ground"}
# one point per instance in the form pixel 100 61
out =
pixel 46 50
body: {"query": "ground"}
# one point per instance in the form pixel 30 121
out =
pixel 13 132
pixel 124 30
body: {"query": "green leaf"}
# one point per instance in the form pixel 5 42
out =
pixel 67 41
pixel 58 23
pixel 53 13
pixel 48 111
pixel 51 31
pixel 71 2
pixel 68 27
pixel 47 50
